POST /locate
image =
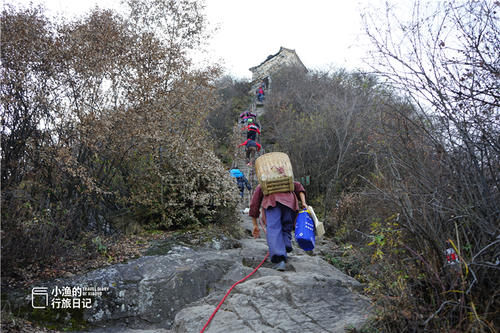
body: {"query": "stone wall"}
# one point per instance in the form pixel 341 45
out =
pixel 285 57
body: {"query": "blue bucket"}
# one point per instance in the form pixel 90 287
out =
pixel 304 231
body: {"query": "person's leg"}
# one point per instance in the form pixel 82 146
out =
pixel 252 154
pixel 287 220
pixel 274 234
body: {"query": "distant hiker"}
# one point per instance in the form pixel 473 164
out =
pixel 235 172
pixel 279 210
pixel 251 148
pixel 260 94
pixel 252 130
pixel 242 182
pixel 247 115
pixel 265 82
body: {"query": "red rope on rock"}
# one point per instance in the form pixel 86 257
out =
pixel 227 294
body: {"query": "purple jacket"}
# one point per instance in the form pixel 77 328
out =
pixel 247 114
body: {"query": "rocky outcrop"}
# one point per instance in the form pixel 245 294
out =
pixel 149 291
pixel 311 296
pixel 179 290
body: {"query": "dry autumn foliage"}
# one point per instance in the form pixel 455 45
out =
pixel 103 126
pixel 439 166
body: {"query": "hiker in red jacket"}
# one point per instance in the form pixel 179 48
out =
pixel 260 94
pixel 251 148
pixel 252 130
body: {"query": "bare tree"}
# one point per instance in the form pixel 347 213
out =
pixel 446 182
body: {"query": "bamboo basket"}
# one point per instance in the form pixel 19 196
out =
pixel 274 173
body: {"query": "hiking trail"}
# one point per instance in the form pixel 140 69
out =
pixel 179 290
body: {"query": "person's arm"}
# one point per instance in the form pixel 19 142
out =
pixel 300 192
pixel 244 143
pixel 258 146
pixel 302 196
pixel 255 210
pixel 255 202
pixel 256 230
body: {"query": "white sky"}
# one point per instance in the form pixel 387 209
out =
pixel 324 33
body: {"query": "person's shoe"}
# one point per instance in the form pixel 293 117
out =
pixel 280 266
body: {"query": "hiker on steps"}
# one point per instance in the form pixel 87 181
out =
pixel 280 210
pixel 242 182
pixel 252 130
pixel 251 148
pixel 260 94
pixel 247 115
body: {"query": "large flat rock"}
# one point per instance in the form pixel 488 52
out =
pixel 149 291
pixel 311 296
pixel 178 291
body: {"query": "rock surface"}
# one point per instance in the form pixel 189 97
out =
pixel 310 296
pixel 149 291
pixel 179 291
